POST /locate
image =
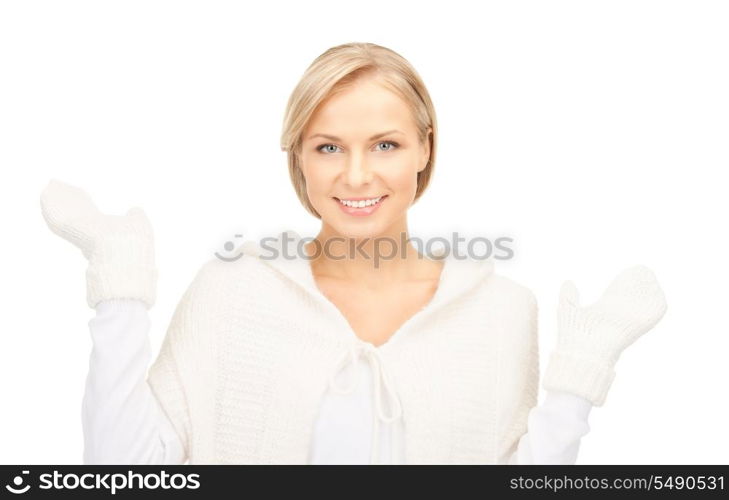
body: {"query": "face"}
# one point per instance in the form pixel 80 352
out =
pixel 362 144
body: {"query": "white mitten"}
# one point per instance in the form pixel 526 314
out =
pixel 591 338
pixel 119 248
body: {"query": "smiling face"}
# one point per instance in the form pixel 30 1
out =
pixel 361 145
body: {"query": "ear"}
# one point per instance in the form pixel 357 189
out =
pixel 426 150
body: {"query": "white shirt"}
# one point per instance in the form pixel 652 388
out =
pixel 359 405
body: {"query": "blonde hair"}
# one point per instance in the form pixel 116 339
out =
pixel 335 70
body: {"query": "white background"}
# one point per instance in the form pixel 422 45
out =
pixel 594 133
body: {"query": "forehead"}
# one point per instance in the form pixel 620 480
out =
pixel 365 108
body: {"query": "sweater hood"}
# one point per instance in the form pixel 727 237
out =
pixel 459 275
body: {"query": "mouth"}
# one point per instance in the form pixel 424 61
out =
pixel 360 206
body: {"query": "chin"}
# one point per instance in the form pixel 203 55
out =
pixel 358 229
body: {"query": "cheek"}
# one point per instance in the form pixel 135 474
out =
pixel 317 177
pixel 402 173
pixel 404 180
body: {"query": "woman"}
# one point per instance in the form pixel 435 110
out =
pixel 306 352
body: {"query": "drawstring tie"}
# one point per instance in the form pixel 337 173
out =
pixel 382 387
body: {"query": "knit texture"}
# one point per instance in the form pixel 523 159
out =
pixel 251 346
pixel 591 338
pixel 119 248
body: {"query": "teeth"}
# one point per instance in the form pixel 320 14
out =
pixel 360 203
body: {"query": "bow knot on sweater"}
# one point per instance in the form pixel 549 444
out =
pixel 381 383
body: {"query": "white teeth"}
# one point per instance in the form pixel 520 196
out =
pixel 360 203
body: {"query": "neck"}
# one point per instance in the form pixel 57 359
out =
pixel 374 261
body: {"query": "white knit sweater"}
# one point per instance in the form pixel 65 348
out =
pixel 123 423
pixel 253 343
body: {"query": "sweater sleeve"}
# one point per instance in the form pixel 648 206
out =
pixel 122 420
pixel 555 430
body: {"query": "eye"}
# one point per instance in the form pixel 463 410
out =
pixel 319 148
pixel 391 143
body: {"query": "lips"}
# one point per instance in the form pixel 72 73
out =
pixel 360 211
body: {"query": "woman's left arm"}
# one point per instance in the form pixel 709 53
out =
pixel 581 368
pixel 555 429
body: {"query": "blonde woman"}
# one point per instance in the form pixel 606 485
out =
pixel 296 351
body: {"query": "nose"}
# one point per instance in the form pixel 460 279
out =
pixel 357 170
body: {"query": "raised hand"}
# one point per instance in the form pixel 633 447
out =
pixel 119 248
pixel 592 337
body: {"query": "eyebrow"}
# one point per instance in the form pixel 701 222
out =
pixel 376 136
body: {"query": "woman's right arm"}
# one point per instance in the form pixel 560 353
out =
pixel 123 422
pixel 127 418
